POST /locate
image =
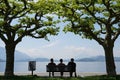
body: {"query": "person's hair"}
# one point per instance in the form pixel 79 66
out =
pixel 72 59
pixel 51 59
pixel 61 60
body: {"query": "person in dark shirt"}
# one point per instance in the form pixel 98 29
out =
pixel 72 67
pixel 61 66
pixel 52 66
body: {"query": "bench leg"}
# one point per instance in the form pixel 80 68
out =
pixel 49 74
pixel 71 73
pixel 53 74
pixel 61 74
pixel 75 74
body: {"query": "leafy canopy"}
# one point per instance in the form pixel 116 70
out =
pixel 20 18
pixel 92 19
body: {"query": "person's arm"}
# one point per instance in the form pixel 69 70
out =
pixel 68 63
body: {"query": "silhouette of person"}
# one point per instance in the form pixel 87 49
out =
pixel 51 67
pixel 61 67
pixel 72 67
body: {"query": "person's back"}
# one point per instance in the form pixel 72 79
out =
pixel 52 66
pixel 61 63
pixel 51 62
pixel 61 66
pixel 72 67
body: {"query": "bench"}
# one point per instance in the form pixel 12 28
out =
pixel 59 69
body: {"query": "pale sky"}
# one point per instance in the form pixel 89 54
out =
pixel 63 46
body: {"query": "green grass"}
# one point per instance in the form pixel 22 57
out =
pixel 58 78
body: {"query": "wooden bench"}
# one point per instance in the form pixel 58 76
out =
pixel 59 69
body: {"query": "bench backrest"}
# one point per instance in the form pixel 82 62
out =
pixel 65 68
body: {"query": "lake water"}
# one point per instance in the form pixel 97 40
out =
pixel 81 66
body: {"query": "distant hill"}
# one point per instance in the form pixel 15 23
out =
pixel 96 58
pixel 1 60
pixel 18 55
pixel 41 59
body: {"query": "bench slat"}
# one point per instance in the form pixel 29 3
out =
pixel 59 68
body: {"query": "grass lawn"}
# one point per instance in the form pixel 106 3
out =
pixel 58 78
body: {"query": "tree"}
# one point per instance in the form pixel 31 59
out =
pixel 94 19
pixel 21 18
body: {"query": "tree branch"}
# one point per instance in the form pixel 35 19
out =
pixel 101 28
pixel 117 19
pixel 35 36
pixel 93 14
pixel 3 38
pixel 116 35
pixel 99 40
pixel 7 4
pixel 19 12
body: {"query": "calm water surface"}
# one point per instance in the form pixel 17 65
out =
pixel 81 66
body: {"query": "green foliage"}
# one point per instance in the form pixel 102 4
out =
pixel 22 18
pixel 48 30
pixel 20 32
pixel 91 18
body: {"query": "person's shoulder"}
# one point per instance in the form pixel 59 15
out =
pixel 69 63
pixel 74 64
pixel 63 64
pixel 58 64
pixel 54 63
pixel 49 63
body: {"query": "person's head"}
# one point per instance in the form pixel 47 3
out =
pixel 61 60
pixel 72 60
pixel 51 60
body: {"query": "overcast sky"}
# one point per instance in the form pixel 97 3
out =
pixel 63 46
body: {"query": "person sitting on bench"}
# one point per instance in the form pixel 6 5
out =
pixel 72 67
pixel 61 67
pixel 51 65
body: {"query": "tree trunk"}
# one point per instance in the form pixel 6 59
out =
pixel 110 63
pixel 10 49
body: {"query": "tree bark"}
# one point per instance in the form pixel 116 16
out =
pixel 10 49
pixel 110 63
